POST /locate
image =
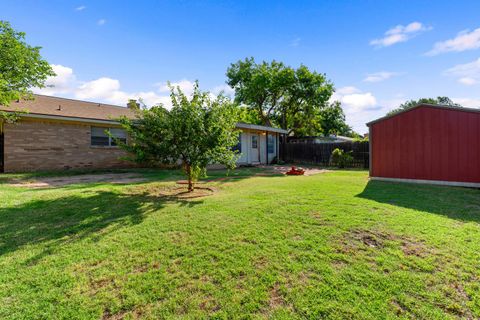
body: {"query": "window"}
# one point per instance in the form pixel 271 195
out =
pixel 99 136
pixel 119 134
pixel 238 147
pixel 254 142
pixel 270 144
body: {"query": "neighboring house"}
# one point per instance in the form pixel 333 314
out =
pixel 320 139
pixel 59 133
pixel 427 144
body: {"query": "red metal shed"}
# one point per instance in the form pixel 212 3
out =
pixel 427 144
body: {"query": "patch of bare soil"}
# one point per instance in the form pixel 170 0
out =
pixel 373 239
pixel 415 248
pixel 173 192
pixel 358 239
pixel 185 182
pixel 114 178
pixel 276 298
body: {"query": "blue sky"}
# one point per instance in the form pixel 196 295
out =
pixel 378 53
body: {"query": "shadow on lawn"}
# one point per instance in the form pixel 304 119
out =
pixel 67 219
pixel 456 203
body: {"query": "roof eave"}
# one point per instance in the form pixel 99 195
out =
pixel 242 125
pixel 436 106
pixel 64 118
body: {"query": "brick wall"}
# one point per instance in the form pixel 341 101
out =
pixel 39 145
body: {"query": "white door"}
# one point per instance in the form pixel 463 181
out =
pixel 254 148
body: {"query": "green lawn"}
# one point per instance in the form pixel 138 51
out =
pixel 325 246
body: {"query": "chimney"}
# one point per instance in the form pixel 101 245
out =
pixel 59 107
pixel 133 104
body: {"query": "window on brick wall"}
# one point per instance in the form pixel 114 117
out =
pixel 99 136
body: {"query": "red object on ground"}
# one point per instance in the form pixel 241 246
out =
pixel 295 172
pixel 427 143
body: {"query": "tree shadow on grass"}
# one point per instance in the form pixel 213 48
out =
pixel 462 204
pixel 87 213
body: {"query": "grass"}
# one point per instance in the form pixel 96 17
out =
pixel 331 246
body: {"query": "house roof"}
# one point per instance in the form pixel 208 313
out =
pixel 69 108
pixel 48 107
pixel 425 105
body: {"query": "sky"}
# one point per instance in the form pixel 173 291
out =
pixel 377 53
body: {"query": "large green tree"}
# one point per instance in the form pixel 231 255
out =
pixel 21 66
pixel 443 101
pixel 281 95
pixel 196 131
pixel 332 120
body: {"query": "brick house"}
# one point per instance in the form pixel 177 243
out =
pixel 59 134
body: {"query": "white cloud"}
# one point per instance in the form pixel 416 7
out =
pixel 225 88
pixel 467 102
pixel 347 90
pixel 353 99
pixel 380 76
pixel 185 85
pixel 399 34
pixel 362 107
pixel 467 74
pixel 467 81
pixel 101 22
pixel 295 42
pixel 61 83
pixel 108 90
pixel 101 88
pixel 465 40
pixel 359 107
pixel 359 101
pixel 80 8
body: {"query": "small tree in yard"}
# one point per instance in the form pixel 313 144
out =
pixel 195 132
pixel 341 158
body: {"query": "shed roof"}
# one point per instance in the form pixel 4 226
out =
pixel 425 105
pixel 243 125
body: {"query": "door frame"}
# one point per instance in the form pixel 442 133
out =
pixel 257 149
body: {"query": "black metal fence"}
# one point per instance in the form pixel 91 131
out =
pixel 320 153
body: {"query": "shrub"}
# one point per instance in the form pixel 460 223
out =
pixel 341 158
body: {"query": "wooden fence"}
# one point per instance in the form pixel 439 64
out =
pixel 319 153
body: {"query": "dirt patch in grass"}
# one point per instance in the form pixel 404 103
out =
pixel 52 182
pixel 415 248
pixel 209 305
pixel 398 307
pixel 359 239
pixel 276 299
pixel 169 192
pixel 123 314
pixel 321 220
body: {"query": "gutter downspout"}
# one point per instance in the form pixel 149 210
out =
pixel 276 147
pixel 266 147
pixel 370 155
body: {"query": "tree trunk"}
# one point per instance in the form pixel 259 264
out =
pixel 188 170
